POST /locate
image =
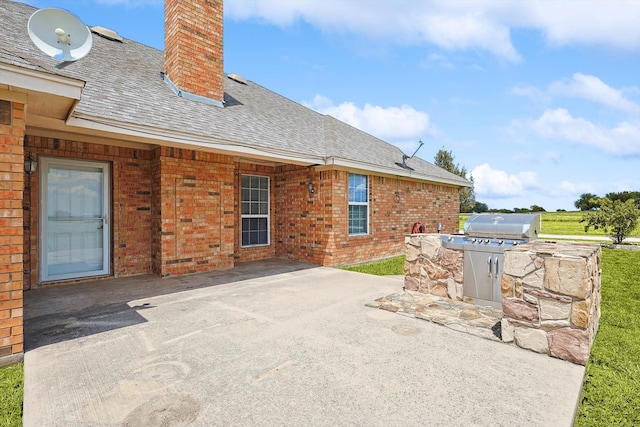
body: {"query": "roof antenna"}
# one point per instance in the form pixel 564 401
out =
pixel 405 157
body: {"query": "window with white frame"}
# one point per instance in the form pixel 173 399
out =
pixel 255 210
pixel 358 204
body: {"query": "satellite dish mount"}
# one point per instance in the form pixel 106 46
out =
pixel 403 165
pixel 60 34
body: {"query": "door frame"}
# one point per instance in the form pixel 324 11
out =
pixel 45 163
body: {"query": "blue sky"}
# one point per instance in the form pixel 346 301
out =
pixel 539 100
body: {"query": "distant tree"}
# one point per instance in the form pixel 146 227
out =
pixel 623 196
pixel 561 210
pixel 521 210
pixel 467 196
pixel 445 160
pixel 586 202
pixel 618 219
pixel 536 208
pixel 480 207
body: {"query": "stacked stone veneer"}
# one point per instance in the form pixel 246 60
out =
pixel 550 291
pixel 551 298
pixel 432 269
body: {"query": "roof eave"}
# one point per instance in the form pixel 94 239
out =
pixel 396 171
pixel 157 136
pixel 38 81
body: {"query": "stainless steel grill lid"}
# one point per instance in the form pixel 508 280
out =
pixel 503 226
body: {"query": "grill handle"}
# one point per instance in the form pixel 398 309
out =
pixel 489 265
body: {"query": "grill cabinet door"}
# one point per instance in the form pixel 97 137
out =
pixel 482 274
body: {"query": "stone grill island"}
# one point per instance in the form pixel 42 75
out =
pixel 550 291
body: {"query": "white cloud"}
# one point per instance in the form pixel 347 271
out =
pixel 489 182
pixel 586 87
pixel 593 89
pixel 403 125
pixel 575 189
pixel 604 23
pixel 459 25
pixel 558 124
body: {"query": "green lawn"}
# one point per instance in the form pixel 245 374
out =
pixel 611 392
pixel 11 392
pixel 391 266
pixel 567 223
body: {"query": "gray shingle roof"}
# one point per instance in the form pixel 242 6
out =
pixel 124 85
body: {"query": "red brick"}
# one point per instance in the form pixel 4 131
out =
pixel 10 323
pixel 194 61
pixel 10 304
pixel 11 340
pixel 148 234
pixel 7 285
pixel 10 268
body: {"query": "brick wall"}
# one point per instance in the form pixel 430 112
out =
pixel 130 198
pixel 300 216
pixel 314 227
pixel 193 46
pixel 11 229
pixel 395 205
pixel 176 211
pixel 193 212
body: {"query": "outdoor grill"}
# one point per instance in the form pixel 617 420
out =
pixel 485 238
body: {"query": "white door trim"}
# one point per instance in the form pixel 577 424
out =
pixel 76 165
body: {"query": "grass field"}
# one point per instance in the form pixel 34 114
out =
pixel 567 223
pixel 11 390
pixel 391 266
pixel 611 391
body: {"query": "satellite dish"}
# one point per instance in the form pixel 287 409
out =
pixel 60 34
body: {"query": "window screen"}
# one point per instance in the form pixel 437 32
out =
pixel 358 204
pixel 255 210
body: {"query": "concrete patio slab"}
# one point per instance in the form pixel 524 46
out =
pixel 268 344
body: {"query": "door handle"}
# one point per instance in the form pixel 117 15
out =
pixel 489 264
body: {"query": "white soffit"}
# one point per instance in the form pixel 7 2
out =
pixel 23 78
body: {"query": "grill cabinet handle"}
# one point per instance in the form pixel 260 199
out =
pixel 489 264
pixel 496 269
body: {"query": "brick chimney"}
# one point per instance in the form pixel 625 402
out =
pixel 193 42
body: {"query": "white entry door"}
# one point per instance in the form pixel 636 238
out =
pixel 74 212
